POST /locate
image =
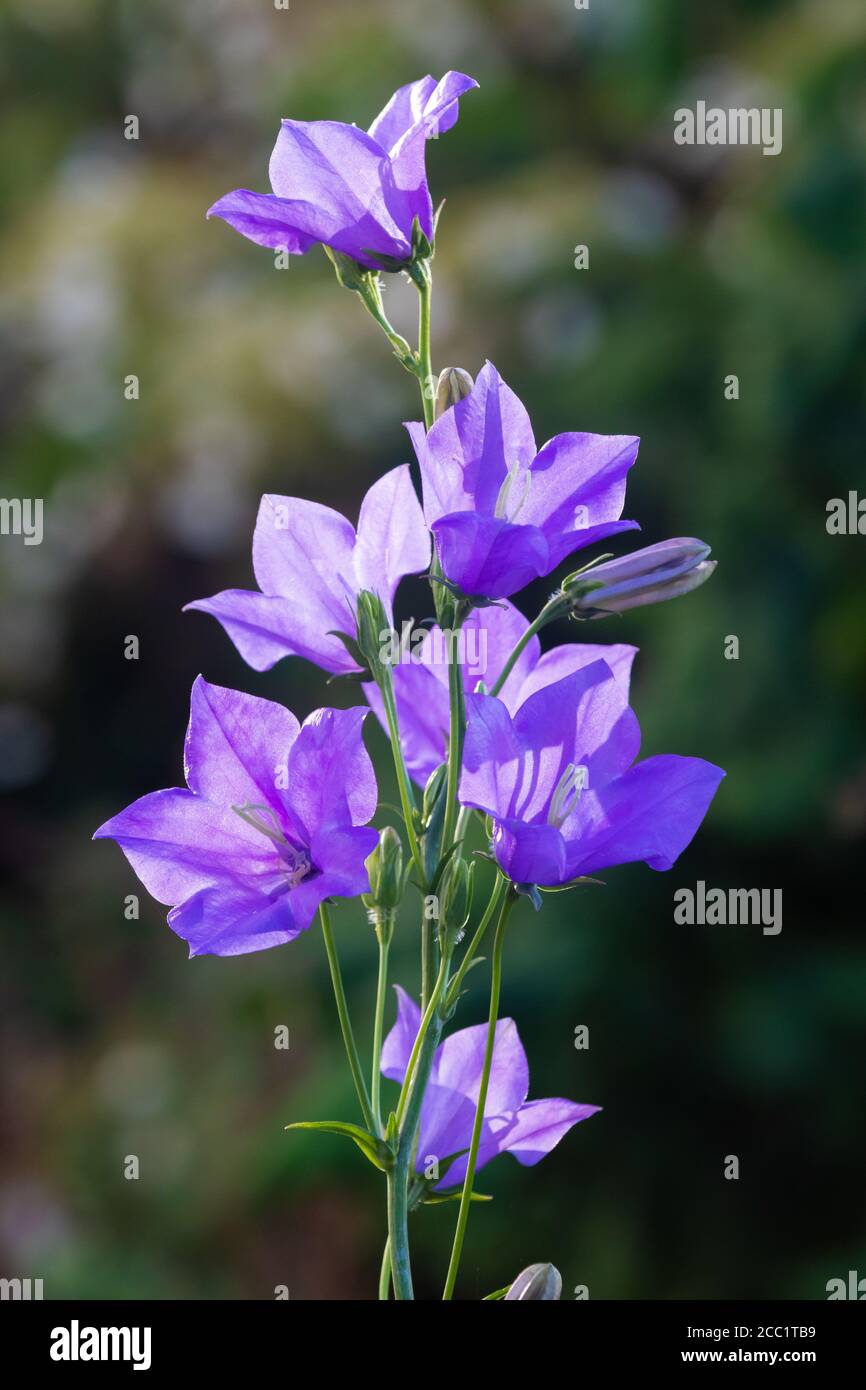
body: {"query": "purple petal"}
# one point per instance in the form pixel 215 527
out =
pixel 177 843
pixel 339 173
pixel 466 455
pixel 563 661
pixel 539 1126
pixel 492 757
pixel 235 745
pixel 339 853
pixel 397 1047
pixel 484 555
pixel 651 814
pixel 266 220
pixel 330 776
pixel 447 1119
pixel 266 629
pixel 408 196
pixel 231 919
pixel 530 853
pixel 422 712
pixel 460 1058
pixel 425 101
pixel 577 490
pixel 393 539
pixel 491 634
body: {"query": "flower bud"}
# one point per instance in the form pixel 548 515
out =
pixel 374 631
pixel 651 575
pixel 537 1283
pixel 453 385
pixel 386 870
pixel 455 897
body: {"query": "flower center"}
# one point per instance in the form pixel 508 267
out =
pixel 513 493
pixel 295 862
pixel 567 794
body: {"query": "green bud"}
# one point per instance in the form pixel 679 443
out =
pixel 453 385
pixel 537 1283
pixel 374 631
pixel 387 873
pixel 433 819
pixel 455 896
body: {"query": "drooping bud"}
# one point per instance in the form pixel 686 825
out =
pixel 454 385
pixel 537 1283
pixel 651 575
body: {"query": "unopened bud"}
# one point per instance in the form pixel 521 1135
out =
pixel 373 630
pixel 651 575
pixel 386 870
pixel 536 1283
pixel 455 896
pixel 453 385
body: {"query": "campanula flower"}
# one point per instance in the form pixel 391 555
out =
pixel 487 638
pixel 310 565
pixel 270 824
pixel 355 191
pixel 558 780
pixel 503 512
pixel 528 1129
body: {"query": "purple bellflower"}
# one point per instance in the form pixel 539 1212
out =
pixel 557 779
pixel 503 512
pixel 486 640
pixel 528 1129
pixel 310 565
pixel 651 575
pixel 355 191
pixel 271 824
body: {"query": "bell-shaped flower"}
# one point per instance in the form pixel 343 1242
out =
pixel 483 644
pixel 271 822
pixel 528 1129
pixel 559 780
pixel 355 191
pixel 310 565
pixel 504 512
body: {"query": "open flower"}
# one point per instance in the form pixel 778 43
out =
pixel 484 643
pixel 558 781
pixel 528 1129
pixel 357 192
pixel 504 512
pixel 311 565
pixel 272 822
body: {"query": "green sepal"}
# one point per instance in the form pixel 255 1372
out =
pixel 390 263
pixel 378 1153
pixel 354 650
pixel 575 883
pixel 497 1294
pixel 455 1196
pixel 350 273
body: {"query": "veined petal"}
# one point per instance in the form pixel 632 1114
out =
pixel 397 1047
pixel 231 919
pixel 539 1126
pixel 266 628
pixel 177 843
pixel 330 776
pixel 492 757
pixel 267 220
pixel 393 539
pixel 563 661
pixel 651 813
pixel 460 1058
pixel 236 744
pixel 339 853
pixel 577 491
pixel 530 853
pixel 428 101
pixel 469 450
pixel 407 194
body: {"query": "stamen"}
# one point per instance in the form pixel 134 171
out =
pixel 567 794
pixel 295 863
pixel 506 509
pixel 248 813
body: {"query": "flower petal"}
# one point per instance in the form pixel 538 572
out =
pixel 266 629
pixel 236 745
pixel 266 220
pixel 492 757
pixel 330 776
pixel 530 853
pixel 459 1062
pixel 563 661
pixel 397 1047
pixel 539 1126
pixel 339 853
pixel 577 490
pixel 485 556
pixel 231 919
pixel 651 813
pixel 393 539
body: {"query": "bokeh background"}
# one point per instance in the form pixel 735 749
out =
pixel 704 1041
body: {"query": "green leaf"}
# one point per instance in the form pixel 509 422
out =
pixel 438 1198
pixel 499 1293
pixel 371 1147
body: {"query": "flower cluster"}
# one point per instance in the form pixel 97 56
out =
pixel 537 751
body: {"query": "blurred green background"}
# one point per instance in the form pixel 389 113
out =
pixel 704 1041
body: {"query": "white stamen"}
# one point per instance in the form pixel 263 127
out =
pixel 508 508
pixel 567 794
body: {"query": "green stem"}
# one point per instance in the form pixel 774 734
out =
pixel 424 281
pixel 345 1023
pixel 423 1028
pixel 428 959
pixel 472 948
pixel 552 609
pixel 398 1177
pixel 466 1197
pixel 371 298
pixel 383 937
pixel 385 1274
